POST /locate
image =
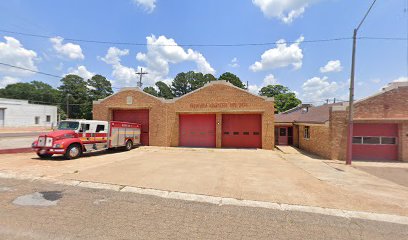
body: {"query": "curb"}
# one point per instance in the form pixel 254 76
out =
pixel 220 201
pixel 15 150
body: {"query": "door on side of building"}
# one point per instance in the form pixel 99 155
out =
pixel 140 116
pixel 374 141
pixel 2 117
pixel 241 131
pixel 197 130
pixel 283 136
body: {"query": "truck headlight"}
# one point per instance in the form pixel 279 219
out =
pixel 58 145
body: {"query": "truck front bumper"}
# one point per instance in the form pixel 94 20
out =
pixel 43 150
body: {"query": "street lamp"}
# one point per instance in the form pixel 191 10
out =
pixel 351 95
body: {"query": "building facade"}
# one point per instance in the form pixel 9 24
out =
pixel 380 127
pixel 20 113
pixel 216 115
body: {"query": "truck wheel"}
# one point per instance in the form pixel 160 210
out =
pixel 129 145
pixel 44 156
pixel 73 151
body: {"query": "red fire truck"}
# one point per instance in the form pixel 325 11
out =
pixel 74 137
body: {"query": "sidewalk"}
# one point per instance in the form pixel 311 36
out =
pixel 349 178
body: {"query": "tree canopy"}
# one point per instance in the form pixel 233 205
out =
pixel 79 93
pixel 232 78
pixel 284 98
pixel 186 82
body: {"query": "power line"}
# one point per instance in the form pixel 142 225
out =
pixel 176 45
pixel 35 71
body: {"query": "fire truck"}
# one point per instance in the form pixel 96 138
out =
pixel 74 137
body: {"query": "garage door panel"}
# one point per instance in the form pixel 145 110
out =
pixel 140 116
pixel 197 130
pixel 377 142
pixel 241 131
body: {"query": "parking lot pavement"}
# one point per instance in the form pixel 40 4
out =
pixel 396 172
pixel 40 210
pixel 240 174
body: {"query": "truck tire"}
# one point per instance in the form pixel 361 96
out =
pixel 44 156
pixel 129 145
pixel 73 151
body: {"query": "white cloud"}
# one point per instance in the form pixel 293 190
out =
pixel 317 89
pixel 332 66
pixel 12 52
pixel 147 5
pixel 69 50
pixel 114 54
pixel 284 10
pixel 281 56
pixel 234 63
pixel 401 79
pixel 270 80
pixel 6 80
pixel 82 72
pixel 161 52
pixel 254 88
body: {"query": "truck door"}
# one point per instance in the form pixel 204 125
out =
pixel 84 133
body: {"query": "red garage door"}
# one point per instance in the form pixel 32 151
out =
pixel 197 130
pixel 241 131
pixel 135 116
pixel 375 141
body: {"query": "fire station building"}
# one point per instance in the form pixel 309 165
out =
pixel 216 115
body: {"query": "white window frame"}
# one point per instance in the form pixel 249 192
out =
pixel 306 132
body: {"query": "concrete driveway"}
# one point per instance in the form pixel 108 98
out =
pixel 242 174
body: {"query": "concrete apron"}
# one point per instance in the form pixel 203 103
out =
pixel 220 201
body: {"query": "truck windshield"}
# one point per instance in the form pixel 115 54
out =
pixel 67 125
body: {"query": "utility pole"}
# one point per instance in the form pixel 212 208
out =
pixel 141 73
pixel 68 106
pixel 349 155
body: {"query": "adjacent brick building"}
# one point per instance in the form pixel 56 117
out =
pixel 380 127
pixel 216 115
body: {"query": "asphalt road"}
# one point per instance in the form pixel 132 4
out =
pixel 39 210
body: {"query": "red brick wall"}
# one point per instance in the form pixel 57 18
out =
pixel 319 141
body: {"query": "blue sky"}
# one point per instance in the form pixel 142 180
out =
pixel 315 71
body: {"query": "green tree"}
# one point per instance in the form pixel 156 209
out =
pixel 284 98
pixel 180 85
pixel 233 79
pixel 98 87
pixel 35 92
pixel 189 81
pixel 151 91
pixel 164 90
pixel 74 88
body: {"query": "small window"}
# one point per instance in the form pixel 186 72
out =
pixel 100 128
pixel 245 133
pixel 371 140
pixel 226 133
pixel 37 120
pixel 48 118
pixel 388 140
pixel 357 140
pixel 256 133
pixel 84 127
pixel 202 133
pixel 306 132
pixel 236 133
